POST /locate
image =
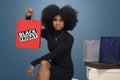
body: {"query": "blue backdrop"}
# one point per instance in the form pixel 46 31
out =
pixel 96 18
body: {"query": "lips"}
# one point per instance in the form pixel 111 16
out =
pixel 58 26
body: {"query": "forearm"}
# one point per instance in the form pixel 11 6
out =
pixel 35 62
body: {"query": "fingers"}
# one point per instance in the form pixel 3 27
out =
pixel 30 70
pixel 29 12
pixel 30 73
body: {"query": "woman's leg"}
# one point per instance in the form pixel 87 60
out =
pixel 44 71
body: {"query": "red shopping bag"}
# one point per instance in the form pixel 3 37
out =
pixel 28 34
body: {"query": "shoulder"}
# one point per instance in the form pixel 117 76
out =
pixel 45 31
pixel 69 36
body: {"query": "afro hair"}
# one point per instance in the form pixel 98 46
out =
pixel 68 14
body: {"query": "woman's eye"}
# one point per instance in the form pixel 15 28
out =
pixel 54 19
pixel 58 20
pixel 61 20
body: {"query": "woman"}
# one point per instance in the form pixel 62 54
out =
pixel 57 64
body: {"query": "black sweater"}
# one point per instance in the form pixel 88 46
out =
pixel 60 49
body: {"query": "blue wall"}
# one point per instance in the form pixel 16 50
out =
pixel 96 18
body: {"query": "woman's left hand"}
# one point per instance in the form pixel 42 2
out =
pixel 30 70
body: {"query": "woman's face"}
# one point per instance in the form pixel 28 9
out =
pixel 58 22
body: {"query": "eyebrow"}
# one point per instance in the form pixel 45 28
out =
pixel 59 19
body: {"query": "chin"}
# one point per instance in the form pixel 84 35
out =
pixel 57 29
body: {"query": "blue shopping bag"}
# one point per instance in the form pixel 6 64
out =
pixel 109 50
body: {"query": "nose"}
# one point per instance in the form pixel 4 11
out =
pixel 58 22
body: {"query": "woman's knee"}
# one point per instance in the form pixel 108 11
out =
pixel 44 64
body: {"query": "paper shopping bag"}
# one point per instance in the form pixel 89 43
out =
pixel 91 50
pixel 110 50
pixel 28 34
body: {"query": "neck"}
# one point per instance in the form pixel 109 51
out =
pixel 58 32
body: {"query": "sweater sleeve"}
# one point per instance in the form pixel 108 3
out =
pixel 44 33
pixel 67 44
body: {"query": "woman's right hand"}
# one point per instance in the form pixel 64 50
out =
pixel 28 13
pixel 30 70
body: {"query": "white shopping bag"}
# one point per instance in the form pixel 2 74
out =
pixel 91 50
